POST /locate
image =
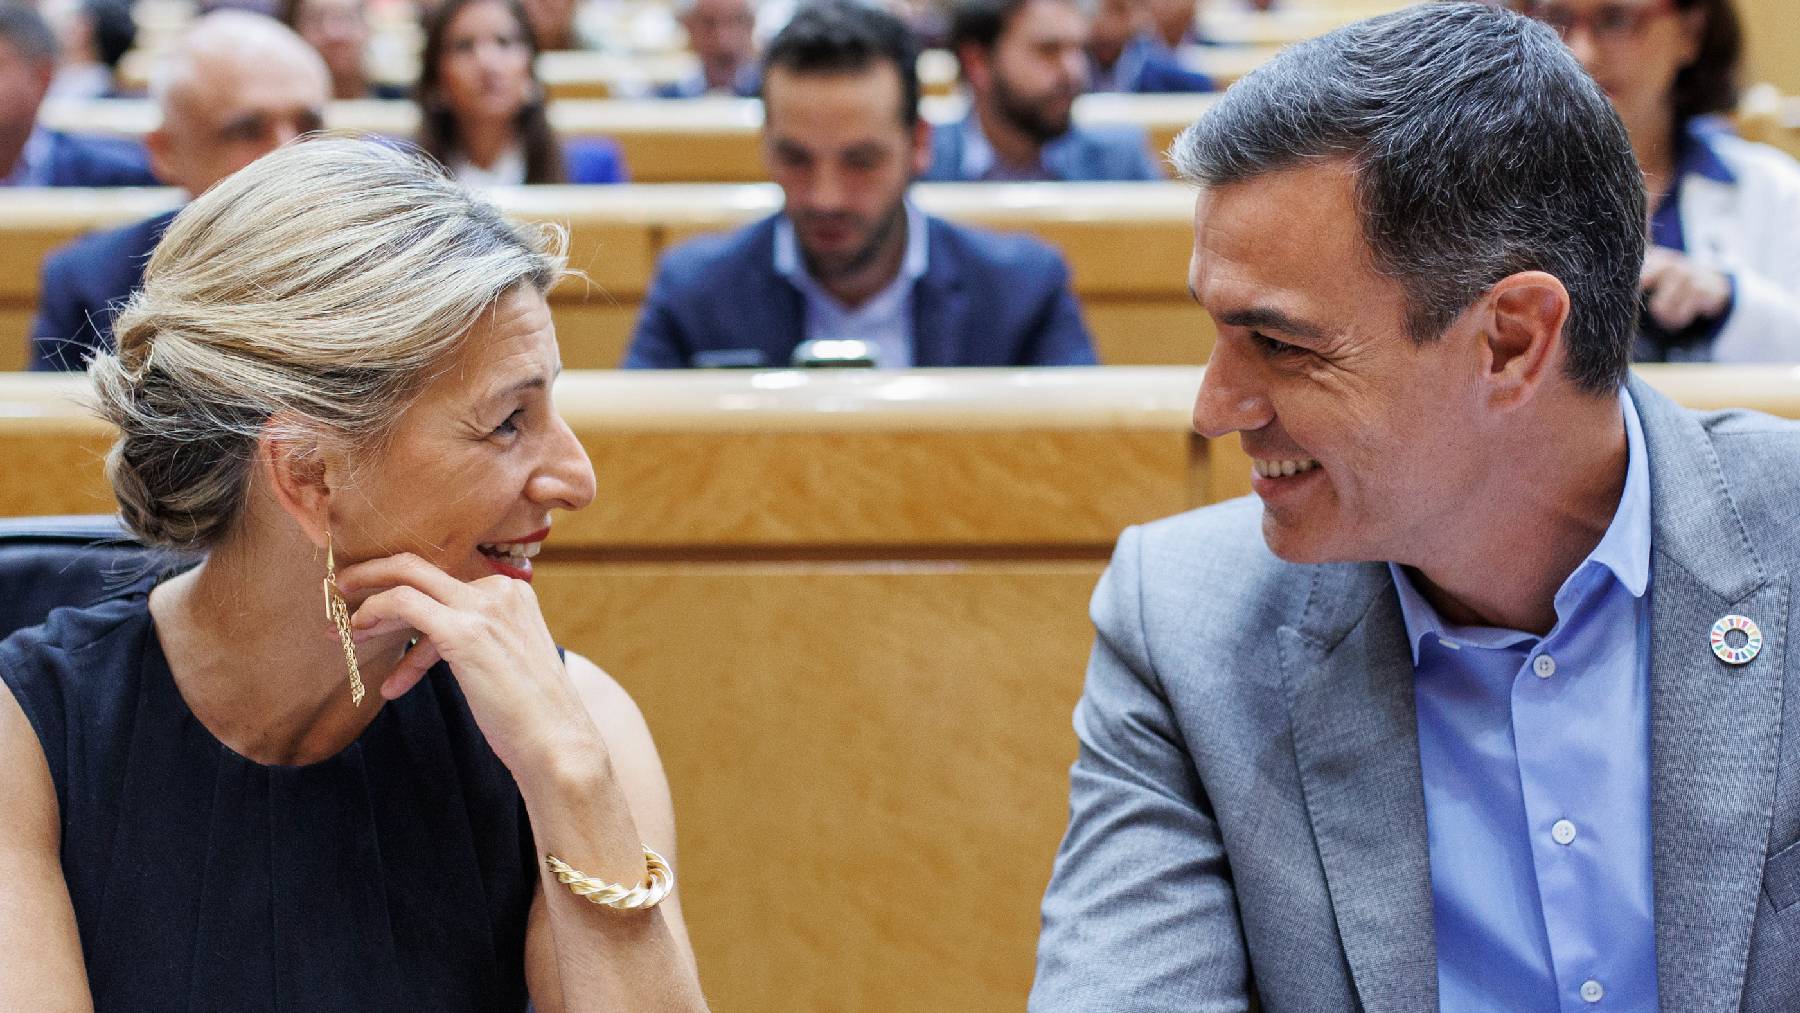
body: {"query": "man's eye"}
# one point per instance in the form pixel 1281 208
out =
pixel 1271 346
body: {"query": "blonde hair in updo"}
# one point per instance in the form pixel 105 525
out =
pixel 316 291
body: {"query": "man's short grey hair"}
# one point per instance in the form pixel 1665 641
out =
pixel 1481 149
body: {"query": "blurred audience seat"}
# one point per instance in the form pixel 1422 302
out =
pixel 47 562
pixel 1127 247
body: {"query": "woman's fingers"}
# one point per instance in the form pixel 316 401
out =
pixel 402 568
pixel 404 607
pixel 412 667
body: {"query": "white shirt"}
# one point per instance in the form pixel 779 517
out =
pixel 884 319
pixel 508 170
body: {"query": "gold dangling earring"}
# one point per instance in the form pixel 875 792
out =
pixel 338 613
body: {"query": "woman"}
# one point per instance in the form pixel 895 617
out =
pixel 335 384
pixel 339 30
pixel 1722 275
pixel 481 109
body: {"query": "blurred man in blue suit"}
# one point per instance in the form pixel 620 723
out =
pixel 1125 55
pixel 238 86
pixel 850 257
pixel 34 155
pixel 1025 62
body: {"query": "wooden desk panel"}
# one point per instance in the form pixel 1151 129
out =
pixel 869 765
pixel 796 464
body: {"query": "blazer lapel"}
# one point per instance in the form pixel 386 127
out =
pixel 940 309
pixel 1350 679
pixel 781 324
pixel 1715 729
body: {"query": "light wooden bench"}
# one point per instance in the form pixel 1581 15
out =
pixel 704 140
pixel 1127 246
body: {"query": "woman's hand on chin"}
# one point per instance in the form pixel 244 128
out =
pixel 492 633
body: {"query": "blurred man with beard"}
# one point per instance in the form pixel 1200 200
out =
pixel 1025 61
pixel 849 257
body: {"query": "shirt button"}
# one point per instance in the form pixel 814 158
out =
pixel 1544 665
pixel 1563 832
pixel 1591 991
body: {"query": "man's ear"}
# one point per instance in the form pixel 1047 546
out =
pixel 975 65
pixel 1522 340
pixel 921 147
pixel 162 149
pixel 298 477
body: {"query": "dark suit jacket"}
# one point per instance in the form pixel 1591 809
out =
pixel 747 85
pixel 985 299
pixel 1083 155
pixel 1160 75
pixel 97 161
pixel 84 284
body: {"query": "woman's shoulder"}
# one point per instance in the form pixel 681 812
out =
pixel 607 702
pixel 1754 163
pixel 75 668
pixel 69 634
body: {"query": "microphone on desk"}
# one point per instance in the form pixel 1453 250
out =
pixel 835 353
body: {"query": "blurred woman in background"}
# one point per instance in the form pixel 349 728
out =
pixel 1722 277
pixel 482 110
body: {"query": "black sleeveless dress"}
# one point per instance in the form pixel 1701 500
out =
pixel 396 875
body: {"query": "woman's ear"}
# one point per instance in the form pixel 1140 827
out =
pixel 298 476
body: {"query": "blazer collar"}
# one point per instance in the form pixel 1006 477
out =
pixel 1715 729
pixel 1349 677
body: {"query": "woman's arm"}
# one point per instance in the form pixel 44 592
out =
pixel 571 942
pixel 37 923
pixel 583 761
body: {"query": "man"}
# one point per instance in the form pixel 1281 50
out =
pixel 238 86
pixel 1025 61
pixel 1124 56
pixel 33 155
pixel 722 35
pixel 850 258
pixel 1436 723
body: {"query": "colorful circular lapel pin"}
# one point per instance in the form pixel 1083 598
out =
pixel 1741 654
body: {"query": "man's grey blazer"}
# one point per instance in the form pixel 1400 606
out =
pixel 1247 812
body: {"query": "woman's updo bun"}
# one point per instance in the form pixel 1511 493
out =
pixel 313 292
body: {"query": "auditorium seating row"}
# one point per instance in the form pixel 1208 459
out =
pixel 705 140
pixel 1127 246
pixel 852 606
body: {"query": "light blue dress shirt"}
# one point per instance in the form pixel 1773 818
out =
pixel 885 318
pixel 1536 762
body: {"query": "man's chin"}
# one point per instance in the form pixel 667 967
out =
pixel 1296 542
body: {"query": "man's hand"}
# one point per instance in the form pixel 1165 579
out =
pixel 1682 290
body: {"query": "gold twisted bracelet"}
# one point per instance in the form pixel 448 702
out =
pixel 659 883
